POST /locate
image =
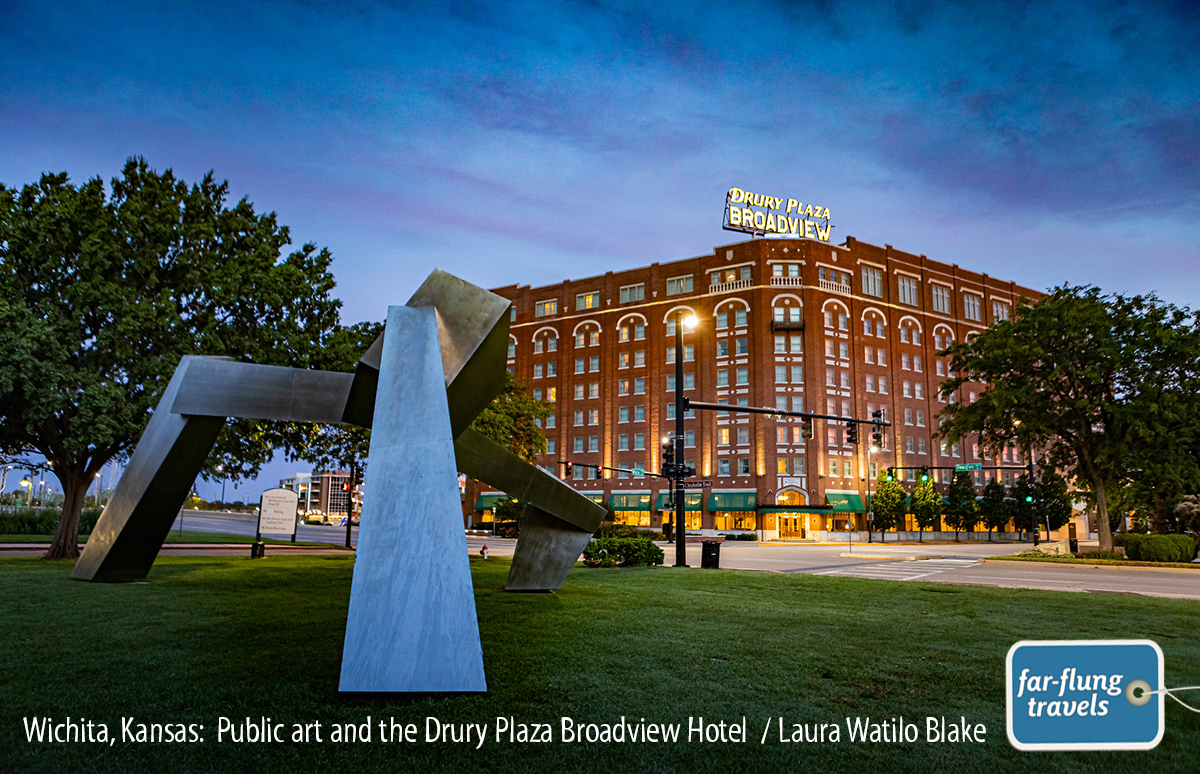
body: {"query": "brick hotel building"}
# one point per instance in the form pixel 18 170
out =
pixel 789 323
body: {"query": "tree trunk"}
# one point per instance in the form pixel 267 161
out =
pixel 1103 530
pixel 66 538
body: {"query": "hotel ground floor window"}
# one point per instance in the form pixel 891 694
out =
pixel 691 520
pixel 632 518
pixel 746 520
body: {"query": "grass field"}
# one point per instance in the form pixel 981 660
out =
pixel 209 637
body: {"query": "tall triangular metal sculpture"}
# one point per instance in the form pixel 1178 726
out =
pixel 441 360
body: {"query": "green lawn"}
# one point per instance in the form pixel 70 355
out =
pixel 175 536
pixel 221 636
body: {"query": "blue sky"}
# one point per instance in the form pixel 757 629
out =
pixel 532 142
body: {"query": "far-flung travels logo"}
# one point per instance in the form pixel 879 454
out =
pixel 1085 695
pixel 759 214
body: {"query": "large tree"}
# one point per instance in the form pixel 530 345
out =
pixel 1099 385
pixel 103 290
pixel 514 420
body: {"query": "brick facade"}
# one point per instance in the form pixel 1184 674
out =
pixel 755 301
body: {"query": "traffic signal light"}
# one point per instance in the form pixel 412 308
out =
pixel 891 476
pixel 806 428
pixel 346 487
pixel 924 474
pixel 568 467
pixel 877 436
pixel 852 432
pixel 1028 498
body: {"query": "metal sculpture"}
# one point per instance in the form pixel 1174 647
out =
pixel 411 624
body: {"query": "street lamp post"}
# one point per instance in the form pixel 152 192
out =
pixel 678 470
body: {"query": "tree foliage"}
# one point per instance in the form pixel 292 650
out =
pixel 888 504
pixel 962 513
pixel 514 420
pixel 1053 500
pixel 1105 386
pixel 993 509
pixel 101 294
pixel 926 505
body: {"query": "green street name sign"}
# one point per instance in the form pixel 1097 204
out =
pixel 970 466
pixel 639 472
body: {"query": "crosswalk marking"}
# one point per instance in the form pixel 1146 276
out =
pixel 900 570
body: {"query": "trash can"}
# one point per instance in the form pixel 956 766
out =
pixel 710 555
pixel 1073 538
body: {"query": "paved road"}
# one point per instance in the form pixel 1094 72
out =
pixel 948 563
pixel 244 524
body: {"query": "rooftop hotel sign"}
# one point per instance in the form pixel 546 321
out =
pixel 758 214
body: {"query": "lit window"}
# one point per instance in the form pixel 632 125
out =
pixel 587 301
pixel 545 308
pixel 722 436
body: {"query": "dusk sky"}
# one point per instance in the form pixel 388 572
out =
pixel 534 142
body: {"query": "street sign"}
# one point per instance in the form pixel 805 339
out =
pixel 696 484
pixel 970 466
pixel 639 472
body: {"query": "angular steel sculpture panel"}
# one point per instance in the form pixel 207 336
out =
pixel 412 626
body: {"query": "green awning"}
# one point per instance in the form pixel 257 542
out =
pixel 732 501
pixel 691 502
pixel 487 502
pixel 630 502
pixel 845 503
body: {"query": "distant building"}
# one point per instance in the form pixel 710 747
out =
pixel 794 324
pixel 321 493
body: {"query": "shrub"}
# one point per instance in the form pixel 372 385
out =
pixel 43 521
pixel 622 552
pixel 740 535
pixel 1099 555
pixel 627 531
pixel 1159 548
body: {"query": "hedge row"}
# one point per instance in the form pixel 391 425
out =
pixel 43 521
pixel 607 530
pixel 622 552
pixel 1156 548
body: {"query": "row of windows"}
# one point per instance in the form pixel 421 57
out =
pixel 908 292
